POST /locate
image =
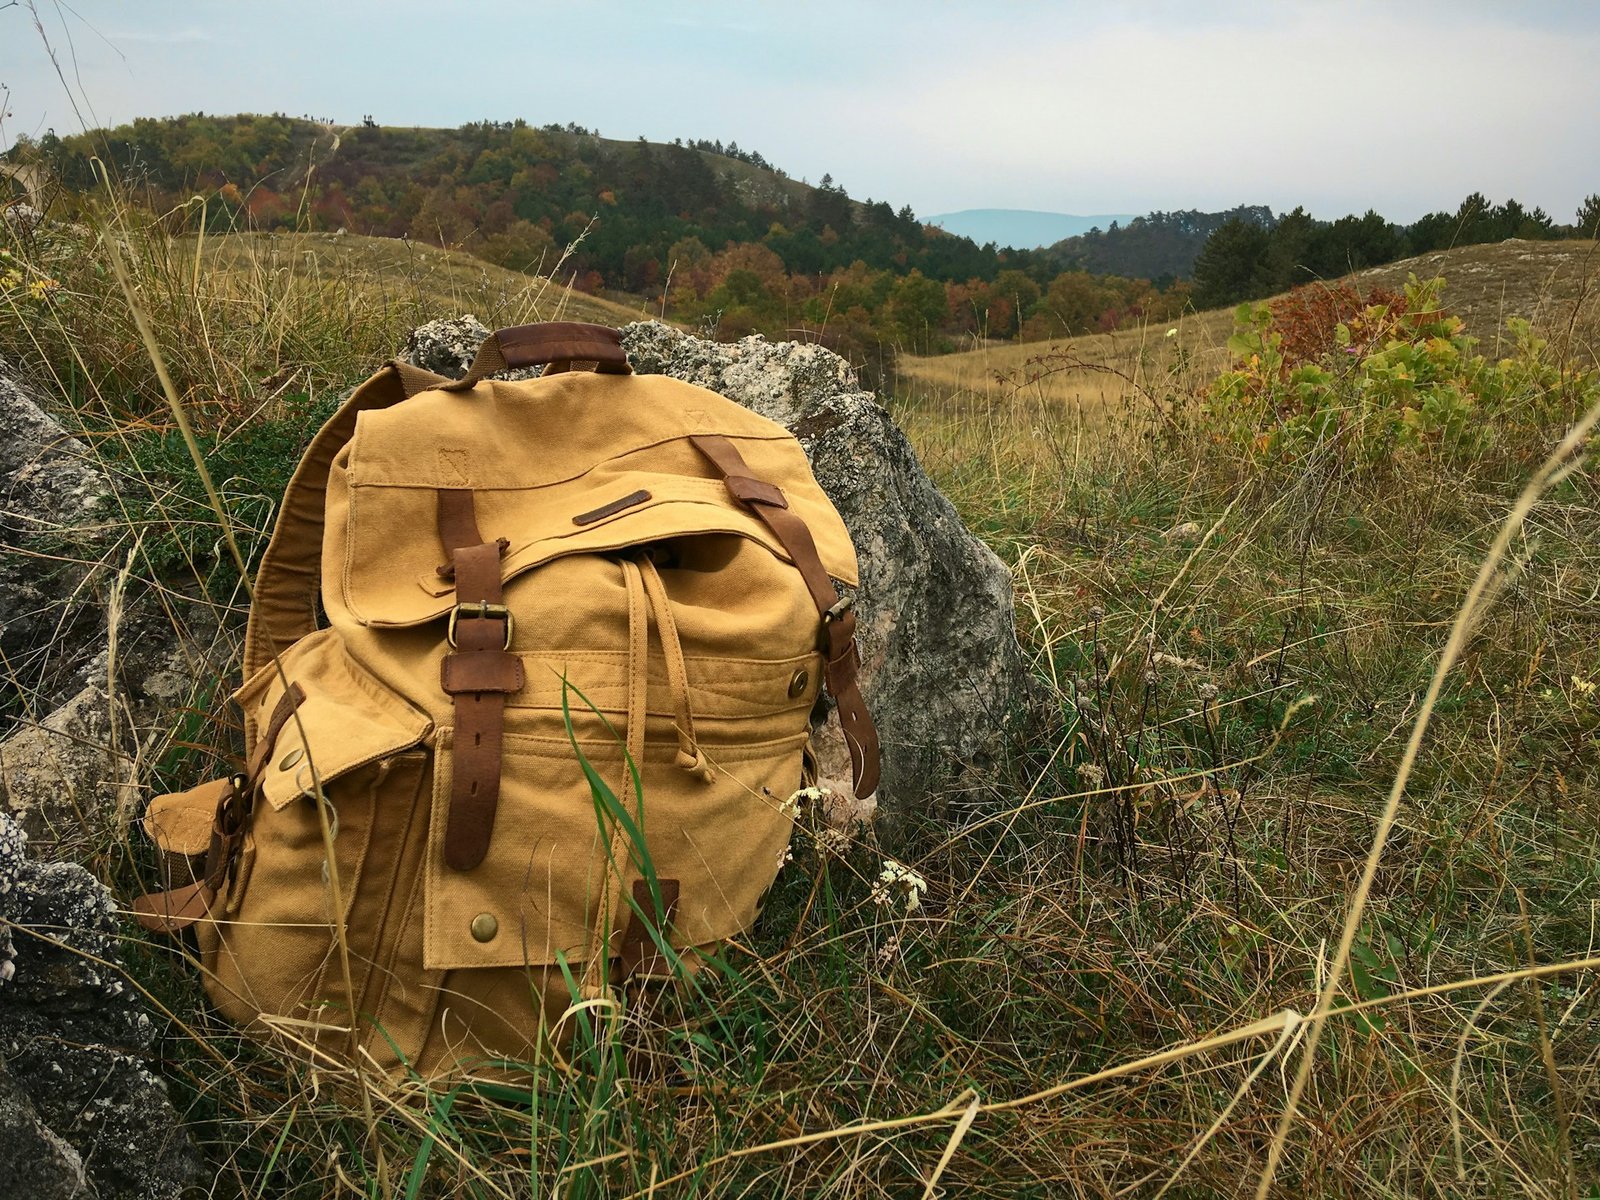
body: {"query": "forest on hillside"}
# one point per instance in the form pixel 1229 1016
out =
pixel 711 233
pixel 718 238
pixel 1246 259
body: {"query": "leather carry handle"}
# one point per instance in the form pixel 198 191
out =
pixel 557 344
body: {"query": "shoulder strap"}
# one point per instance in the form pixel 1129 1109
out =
pixel 837 639
pixel 284 607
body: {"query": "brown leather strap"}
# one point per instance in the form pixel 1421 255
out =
pixel 842 659
pixel 479 673
pixel 458 519
pixel 557 344
pixel 292 699
pixel 640 955
pixel 174 910
pixel 284 606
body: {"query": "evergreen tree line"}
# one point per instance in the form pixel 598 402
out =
pixel 1246 258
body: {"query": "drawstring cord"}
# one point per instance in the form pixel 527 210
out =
pixel 690 757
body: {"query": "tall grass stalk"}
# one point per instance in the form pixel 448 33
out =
pixel 1566 458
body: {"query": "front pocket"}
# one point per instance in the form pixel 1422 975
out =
pixel 556 863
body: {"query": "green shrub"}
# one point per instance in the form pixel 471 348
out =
pixel 1410 385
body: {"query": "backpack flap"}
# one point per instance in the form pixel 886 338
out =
pixel 627 474
pixel 346 719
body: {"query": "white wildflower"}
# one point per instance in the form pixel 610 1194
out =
pixel 806 795
pixel 898 884
pixel 889 951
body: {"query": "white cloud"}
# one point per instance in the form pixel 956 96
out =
pixel 1358 106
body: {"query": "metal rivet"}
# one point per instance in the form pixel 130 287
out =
pixel 484 927
pixel 289 759
pixel 797 685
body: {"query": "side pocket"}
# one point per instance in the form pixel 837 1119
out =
pixel 274 956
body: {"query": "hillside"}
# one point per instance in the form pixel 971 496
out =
pixel 510 192
pixel 1552 284
pixel 432 281
pixel 713 236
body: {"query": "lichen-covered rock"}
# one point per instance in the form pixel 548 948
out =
pixel 445 347
pixel 51 491
pixel 96 667
pixel 448 347
pixel 34 1162
pixel 96 1122
pixel 64 780
pixel 941 668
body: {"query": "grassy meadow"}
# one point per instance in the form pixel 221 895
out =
pixel 1196 903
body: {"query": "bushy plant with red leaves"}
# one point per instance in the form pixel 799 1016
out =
pixel 1309 317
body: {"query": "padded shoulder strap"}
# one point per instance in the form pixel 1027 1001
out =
pixel 284 609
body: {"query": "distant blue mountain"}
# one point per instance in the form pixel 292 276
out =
pixel 1022 228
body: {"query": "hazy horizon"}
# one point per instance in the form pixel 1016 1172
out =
pixel 1060 108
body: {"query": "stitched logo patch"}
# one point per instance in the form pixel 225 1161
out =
pixel 453 467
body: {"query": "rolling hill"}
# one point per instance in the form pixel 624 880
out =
pixel 1556 285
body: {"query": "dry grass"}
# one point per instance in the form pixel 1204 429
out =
pixel 1097 376
pixel 408 276
pixel 1090 376
pixel 1551 284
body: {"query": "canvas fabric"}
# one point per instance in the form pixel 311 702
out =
pixel 658 628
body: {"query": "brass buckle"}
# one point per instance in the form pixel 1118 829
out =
pixel 837 612
pixel 841 609
pixel 481 610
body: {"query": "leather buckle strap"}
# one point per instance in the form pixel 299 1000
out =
pixel 755 491
pixel 836 636
pixel 481 671
pixel 478 674
pixel 479 610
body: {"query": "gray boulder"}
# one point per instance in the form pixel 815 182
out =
pixel 65 780
pixel 80 1113
pixel 446 347
pixel 96 668
pixel 51 492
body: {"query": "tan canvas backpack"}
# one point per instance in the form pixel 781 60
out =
pixel 575 631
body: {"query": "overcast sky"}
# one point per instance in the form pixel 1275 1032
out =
pixel 1066 106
